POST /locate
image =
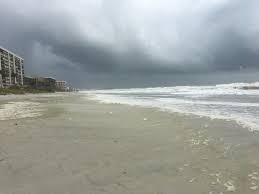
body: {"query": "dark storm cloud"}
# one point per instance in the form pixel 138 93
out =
pixel 234 53
pixel 99 40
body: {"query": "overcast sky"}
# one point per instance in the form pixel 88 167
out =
pixel 134 43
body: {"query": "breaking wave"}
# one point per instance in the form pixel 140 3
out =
pixel 238 102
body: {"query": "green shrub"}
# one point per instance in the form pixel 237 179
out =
pixel 24 90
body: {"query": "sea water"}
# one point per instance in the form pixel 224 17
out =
pixel 229 101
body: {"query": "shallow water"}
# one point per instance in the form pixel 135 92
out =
pixel 228 102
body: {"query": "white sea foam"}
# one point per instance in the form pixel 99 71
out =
pixel 228 102
pixel 18 110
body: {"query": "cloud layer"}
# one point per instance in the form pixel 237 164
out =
pixel 98 40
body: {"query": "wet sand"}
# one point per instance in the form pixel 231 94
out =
pixel 80 146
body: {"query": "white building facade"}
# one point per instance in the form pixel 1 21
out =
pixel 62 85
pixel 11 69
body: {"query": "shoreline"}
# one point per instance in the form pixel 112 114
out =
pixel 251 127
pixel 89 99
pixel 80 145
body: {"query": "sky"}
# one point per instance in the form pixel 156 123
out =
pixel 134 43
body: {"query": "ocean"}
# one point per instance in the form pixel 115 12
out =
pixel 226 101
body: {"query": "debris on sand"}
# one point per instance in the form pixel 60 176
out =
pixel 254 178
pixel 192 180
pixel 230 186
pixel 213 183
pixel 254 188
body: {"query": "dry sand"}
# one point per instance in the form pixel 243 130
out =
pixel 76 146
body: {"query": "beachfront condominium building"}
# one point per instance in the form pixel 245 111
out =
pixel 62 85
pixel 11 69
pixel 40 82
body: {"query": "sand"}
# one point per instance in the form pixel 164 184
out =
pixel 79 146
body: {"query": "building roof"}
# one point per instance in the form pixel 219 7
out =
pixel 49 77
pixel 11 52
pixel 28 76
pixel 61 81
pixel 43 77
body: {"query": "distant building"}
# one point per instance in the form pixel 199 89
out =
pixel 45 82
pixel 29 81
pixel 62 85
pixel 11 69
pixel 40 82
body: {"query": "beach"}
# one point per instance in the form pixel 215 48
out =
pixel 67 143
